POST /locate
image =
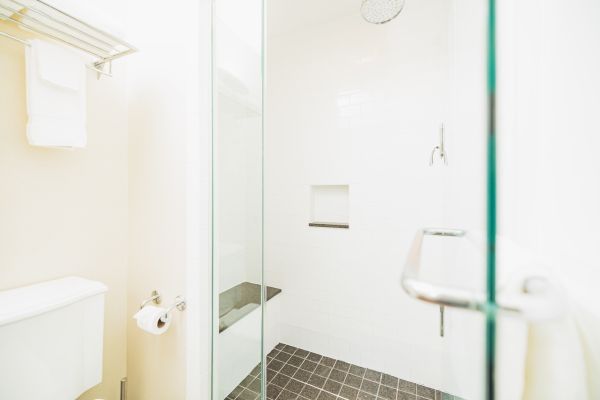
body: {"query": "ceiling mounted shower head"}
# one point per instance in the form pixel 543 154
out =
pixel 381 11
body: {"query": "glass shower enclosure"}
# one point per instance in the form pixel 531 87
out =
pixel 352 178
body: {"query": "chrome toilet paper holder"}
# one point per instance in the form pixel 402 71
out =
pixel 178 304
pixel 156 298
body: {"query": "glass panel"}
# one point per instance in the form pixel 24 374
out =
pixel 237 202
pixel 375 130
pixel 548 197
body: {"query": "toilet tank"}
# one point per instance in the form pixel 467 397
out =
pixel 51 338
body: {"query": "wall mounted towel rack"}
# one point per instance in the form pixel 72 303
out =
pixel 48 21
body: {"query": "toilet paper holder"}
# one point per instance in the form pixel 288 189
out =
pixel 178 304
pixel 155 298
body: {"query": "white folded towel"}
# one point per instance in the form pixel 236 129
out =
pixel 56 95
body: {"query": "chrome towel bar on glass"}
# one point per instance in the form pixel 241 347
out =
pixel 429 292
pixel 436 294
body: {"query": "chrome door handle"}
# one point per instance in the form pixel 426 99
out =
pixel 431 293
pixel 467 299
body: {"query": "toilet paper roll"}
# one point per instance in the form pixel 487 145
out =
pixel 149 320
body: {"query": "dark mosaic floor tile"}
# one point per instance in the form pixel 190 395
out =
pixel 283 356
pixel 247 381
pixel 255 385
pixel 342 366
pixel 374 376
pixel 338 375
pixel 296 361
pixel 322 378
pixel 314 357
pixel 248 395
pixel 302 375
pixel 309 366
pixel 329 362
pixel 356 370
pixel 236 392
pixel 332 386
pixel 287 395
pixel 273 391
pixel 406 396
pixel 323 370
pixel 301 353
pixel 406 386
pixel 369 387
pixel 426 392
pixel 326 396
pixel 275 365
pixel 317 381
pixel 389 380
pixel 289 370
pixel 387 393
pixel 349 393
pixel 310 392
pixel 294 386
pixel 255 371
pixel 280 380
pixel 365 396
pixel 353 381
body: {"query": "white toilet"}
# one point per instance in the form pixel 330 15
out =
pixel 51 339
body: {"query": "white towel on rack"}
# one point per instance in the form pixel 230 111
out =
pixel 56 96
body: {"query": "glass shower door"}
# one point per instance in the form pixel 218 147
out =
pixel 237 200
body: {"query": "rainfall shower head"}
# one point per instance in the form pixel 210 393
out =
pixel 381 11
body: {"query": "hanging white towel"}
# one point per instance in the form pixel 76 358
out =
pixel 56 96
pixel 540 357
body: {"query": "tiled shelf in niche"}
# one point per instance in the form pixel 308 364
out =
pixel 329 206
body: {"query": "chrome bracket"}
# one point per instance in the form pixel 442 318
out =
pixel 154 298
pixel 441 148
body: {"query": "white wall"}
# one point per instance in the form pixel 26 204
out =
pixel 548 139
pixel 359 104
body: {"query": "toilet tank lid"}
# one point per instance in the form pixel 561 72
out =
pixel 28 301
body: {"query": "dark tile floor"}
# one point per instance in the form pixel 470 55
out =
pixel 297 374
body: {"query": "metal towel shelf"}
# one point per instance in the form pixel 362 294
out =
pixel 46 20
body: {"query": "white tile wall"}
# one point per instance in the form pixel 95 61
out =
pixel 361 104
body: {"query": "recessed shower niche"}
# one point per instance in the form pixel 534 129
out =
pixel 329 206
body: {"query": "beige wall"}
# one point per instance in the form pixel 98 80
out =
pixel 168 199
pixel 65 212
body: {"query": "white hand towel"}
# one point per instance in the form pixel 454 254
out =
pixel 56 96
